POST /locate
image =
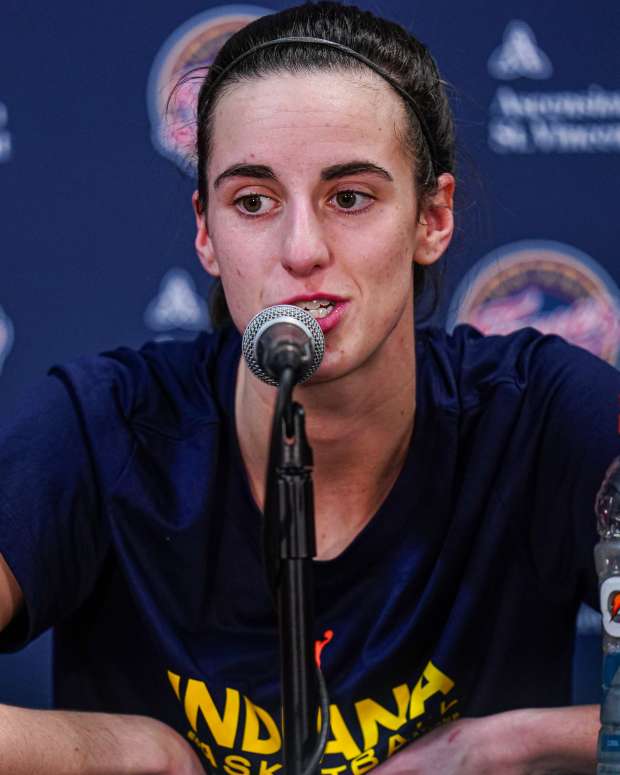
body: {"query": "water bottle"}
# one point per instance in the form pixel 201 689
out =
pixel 607 559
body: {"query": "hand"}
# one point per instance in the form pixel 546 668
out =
pixel 522 742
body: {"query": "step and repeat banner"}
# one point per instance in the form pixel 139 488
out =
pixel 96 227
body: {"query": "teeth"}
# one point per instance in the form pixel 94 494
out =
pixel 318 308
pixel 322 312
pixel 314 304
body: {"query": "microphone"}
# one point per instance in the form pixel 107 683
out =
pixel 280 337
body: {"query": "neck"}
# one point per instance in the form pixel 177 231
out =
pixel 359 427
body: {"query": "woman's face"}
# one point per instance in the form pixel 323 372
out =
pixel 312 201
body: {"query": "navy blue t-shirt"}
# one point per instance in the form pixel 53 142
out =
pixel 127 519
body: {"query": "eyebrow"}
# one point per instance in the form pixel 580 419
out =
pixel 354 168
pixel 262 172
pixel 259 171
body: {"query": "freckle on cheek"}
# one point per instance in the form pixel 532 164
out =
pixel 452 737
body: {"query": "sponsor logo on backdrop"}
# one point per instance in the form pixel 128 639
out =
pixel 551 286
pixel 585 119
pixel 6 337
pixel 177 72
pixel 177 305
pixel 6 143
pixel 519 55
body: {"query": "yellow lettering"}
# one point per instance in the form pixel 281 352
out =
pixel 333 770
pixel 223 729
pixel 175 681
pixel 394 743
pixel 364 763
pixel 265 770
pixel 371 715
pixel 342 741
pixel 207 752
pixel 236 765
pixel 444 707
pixel 431 682
pixel 252 743
pixel 206 749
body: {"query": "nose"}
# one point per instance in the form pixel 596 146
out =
pixel 305 249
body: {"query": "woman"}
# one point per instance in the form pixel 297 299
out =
pixel 454 475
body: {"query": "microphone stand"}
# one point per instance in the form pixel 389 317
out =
pixel 290 545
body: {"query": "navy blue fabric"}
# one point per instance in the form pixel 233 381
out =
pixel 127 519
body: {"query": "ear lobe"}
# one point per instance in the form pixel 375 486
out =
pixel 203 243
pixel 436 223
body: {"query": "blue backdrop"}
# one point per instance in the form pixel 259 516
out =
pixel 96 229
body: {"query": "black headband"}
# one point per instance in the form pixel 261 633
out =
pixel 351 52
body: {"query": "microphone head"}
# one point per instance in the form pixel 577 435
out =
pixel 302 325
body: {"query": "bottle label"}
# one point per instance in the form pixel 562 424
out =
pixel 610 605
pixel 610 743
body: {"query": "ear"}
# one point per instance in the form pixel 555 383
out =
pixel 203 243
pixel 436 222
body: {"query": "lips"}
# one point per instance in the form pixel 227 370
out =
pixel 319 303
pixel 319 296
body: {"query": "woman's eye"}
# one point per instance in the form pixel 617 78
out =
pixel 352 200
pixel 254 204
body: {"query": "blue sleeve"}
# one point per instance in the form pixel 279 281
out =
pixel 52 533
pixel 575 397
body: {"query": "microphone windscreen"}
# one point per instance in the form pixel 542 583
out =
pixel 283 316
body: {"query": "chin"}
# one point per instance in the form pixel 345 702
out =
pixel 335 366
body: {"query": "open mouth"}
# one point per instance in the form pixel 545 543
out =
pixel 318 308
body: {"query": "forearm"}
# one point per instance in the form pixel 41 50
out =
pixel 550 741
pixel 557 741
pixel 35 742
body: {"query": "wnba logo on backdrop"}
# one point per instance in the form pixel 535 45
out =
pixel 6 337
pixel 171 98
pixel 550 286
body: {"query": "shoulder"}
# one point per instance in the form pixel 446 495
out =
pixel 468 366
pixel 168 385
